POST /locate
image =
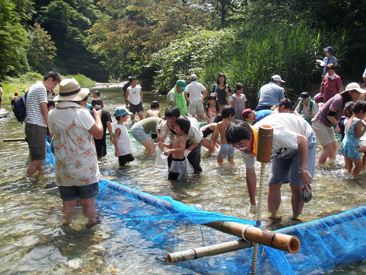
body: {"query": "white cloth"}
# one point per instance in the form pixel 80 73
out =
pixel 124 142
pixel 36 95
pixel 285 129
pixel 194 134
pixel 135 94
pixel 195 90
pixel 75 155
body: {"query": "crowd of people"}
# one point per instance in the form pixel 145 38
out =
pixel 78 132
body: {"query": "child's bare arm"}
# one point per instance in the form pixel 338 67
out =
pixel 360 128
pixel 116 136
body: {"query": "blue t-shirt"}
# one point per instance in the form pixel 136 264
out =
pixel 259 115
pixel 270 94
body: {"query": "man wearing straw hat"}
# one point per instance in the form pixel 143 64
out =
pixel 293 158
pixel 36 120
pixel 77 171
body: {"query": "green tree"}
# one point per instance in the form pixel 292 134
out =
pixel 40 50
pixel 12 40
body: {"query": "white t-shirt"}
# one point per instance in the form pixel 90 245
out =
pixel 286 126
pixel 195 90
pixel 135 94
pixel 124 142
pixel 194 134
pixel 36 95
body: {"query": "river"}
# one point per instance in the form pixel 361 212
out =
pixel 33 240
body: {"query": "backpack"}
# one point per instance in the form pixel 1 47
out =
pixel 20 110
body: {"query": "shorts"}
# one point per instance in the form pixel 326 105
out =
pixel 178 169
pixel 226 150
pixel 100 147
pixel 136 108
pixel 324 134
pixel 125 158
pixel 138 132
pixel 286 169
pixel 196 108
pixel 70 193
pixel 36 138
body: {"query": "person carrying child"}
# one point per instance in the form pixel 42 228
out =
pixel 122 142
pixel 212 109
pixel 238 100
pixel 350 147
pixel 177 163
pixel 226 150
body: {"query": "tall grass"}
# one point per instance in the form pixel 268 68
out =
pixel 84 81
pixel 250 55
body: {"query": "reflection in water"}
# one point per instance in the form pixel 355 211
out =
pixel 33 240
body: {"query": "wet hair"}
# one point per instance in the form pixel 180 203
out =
pixel 97 101
pixel 154 105
pixel 96 92
pixel 237 131
pixel 348 108
pixel 184 124
pixel 330 66
pixel 55 76
pixel 172 111
pixel 227 111
pixel 287 103
pixel 239 86
pixel 50 103
pixel 218 76
pixel 218 118
pixel 212 96
pixel 358 107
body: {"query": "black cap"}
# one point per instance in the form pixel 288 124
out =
pixel 304 95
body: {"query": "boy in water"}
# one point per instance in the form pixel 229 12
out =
pixel 226 150
pixel 154 110
pixel 122 142
pixel 178 163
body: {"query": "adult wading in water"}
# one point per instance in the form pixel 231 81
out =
pixel 194 137
pixel 177 97
pixel 221 90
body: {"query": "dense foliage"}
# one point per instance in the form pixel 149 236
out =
pixel 161 41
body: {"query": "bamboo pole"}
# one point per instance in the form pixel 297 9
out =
pixel 196 253
pixel 251 233
pixel 13 139
pixel 264 152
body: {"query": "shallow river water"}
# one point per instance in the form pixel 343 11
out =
pixel 34 242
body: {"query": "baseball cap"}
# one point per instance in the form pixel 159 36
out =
pixel 182 84
pixel 304 95
pixel 121 112
pixel 246 113
pixel 276 78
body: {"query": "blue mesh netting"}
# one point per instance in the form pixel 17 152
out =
pixel 159 225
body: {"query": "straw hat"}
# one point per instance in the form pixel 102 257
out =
pixel 354 86
pixel 70 91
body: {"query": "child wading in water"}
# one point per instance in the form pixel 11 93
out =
pixel 238 100
pixel 122 142
pixel 212 109
pixel 226 150
pixel 178 165
pixel 350 147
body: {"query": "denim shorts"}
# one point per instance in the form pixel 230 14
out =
pixel 137 131
pixel 70 193
pixel 286 169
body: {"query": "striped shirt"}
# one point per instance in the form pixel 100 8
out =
pixel 36 95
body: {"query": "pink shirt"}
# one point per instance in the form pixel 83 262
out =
pixel 331 86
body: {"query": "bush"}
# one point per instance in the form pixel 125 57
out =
pixel 84 81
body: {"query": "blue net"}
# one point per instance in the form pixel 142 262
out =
pixel 159 225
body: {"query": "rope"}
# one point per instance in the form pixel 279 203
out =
pixel 259 214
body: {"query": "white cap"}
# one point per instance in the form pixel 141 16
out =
pixel 276 78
